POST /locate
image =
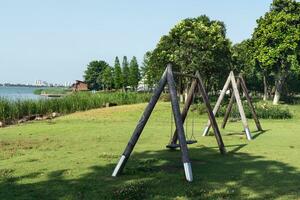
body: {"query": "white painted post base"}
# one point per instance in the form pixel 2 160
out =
pixel 188 172
pixel 120 163
pixel 248 134
pixel 205 133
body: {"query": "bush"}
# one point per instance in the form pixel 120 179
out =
pixel 264 110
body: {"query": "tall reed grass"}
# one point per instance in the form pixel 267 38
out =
pixel 13 110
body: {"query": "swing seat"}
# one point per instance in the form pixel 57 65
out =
pixel 191 141
pixel 174 146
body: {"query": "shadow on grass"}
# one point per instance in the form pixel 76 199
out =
pixel 258 133
pixel 242 134
pixel 159 175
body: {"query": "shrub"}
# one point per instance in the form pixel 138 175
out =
pixel 264 110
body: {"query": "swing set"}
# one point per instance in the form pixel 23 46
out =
pixel 236 84
pixel 179 118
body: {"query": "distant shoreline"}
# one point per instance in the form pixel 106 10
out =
pixel 29 86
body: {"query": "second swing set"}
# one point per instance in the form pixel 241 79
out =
pixel 236 96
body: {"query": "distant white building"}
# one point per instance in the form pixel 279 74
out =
pixel 143 86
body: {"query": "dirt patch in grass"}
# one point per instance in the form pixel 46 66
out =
pixel 10 148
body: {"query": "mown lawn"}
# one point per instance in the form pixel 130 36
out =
pixel 72 157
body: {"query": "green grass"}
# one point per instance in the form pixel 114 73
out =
pixel 72 157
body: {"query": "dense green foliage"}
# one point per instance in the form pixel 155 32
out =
pixel 277 42
pixel 93 74
pixel 147 71
pixel 134 75
pixel 125 72
pixel 107 78
pixel 195 44
pixel 118 78
pixel 11 111
pixel 264 110
pixel 100 76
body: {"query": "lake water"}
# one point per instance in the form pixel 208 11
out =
pixel 14 93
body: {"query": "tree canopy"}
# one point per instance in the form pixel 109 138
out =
pixel 125 72
pixel 195 44
pixel 134 73
pixel 106 78
pixel 118 74
pixel 92 73
pixel 277 41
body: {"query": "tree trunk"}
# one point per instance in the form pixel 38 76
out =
pixel 278 88
pixel 266 96
pixel 186 90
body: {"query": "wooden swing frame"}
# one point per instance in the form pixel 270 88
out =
pixel 168 78
pixel 236 84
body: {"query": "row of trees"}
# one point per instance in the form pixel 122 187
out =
pixel 99 75
pixel 269 60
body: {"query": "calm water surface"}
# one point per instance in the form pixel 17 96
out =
pixel 15 93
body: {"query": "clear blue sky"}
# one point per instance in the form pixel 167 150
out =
pixel 54 40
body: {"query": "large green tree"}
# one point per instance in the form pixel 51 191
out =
pixel 106 78
pixel 277 42
pixel 148 71
pixel 125 72
pixel 134 75
pixel 196 44
pixel 92 73
pixel 118 79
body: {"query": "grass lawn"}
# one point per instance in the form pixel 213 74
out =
pixel 72 157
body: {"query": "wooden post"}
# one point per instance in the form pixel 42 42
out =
pixel 240 106
pixel 249 100
pixel 230 104
pixel 217 106
pixel 140 126
pixel 179 125
pixel 210 114
pixel 185 109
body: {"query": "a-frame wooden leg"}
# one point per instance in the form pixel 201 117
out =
pixel 185 109
pixel 240 106
pixel 230 104
pixel 210 114
pixel 217 106
pixel 179 125
pixel 249 100
pixel 140 126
